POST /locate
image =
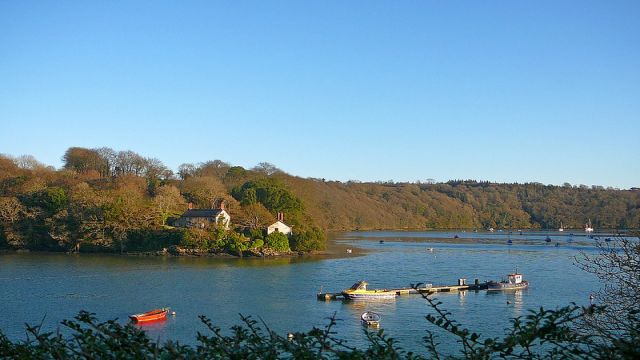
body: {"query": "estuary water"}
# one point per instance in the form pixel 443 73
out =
pixel 46 288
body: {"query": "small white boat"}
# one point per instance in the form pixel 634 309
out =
pixel 370 318
pixel 588 228
pixel 561 227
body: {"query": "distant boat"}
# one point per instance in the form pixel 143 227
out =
pixel 514 282
pixel 547 239
pixel 381 241
pixel 456 236
pixel 561 227
pixel 349 251
pixel 358 291
pixel 510 242
pixel 588 227
pixel 370 318
pixel 149 316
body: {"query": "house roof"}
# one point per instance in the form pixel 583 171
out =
pixel 279 222
pixel 202 213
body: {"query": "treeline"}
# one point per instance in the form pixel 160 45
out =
pixel 107 200
pixel 119 200
pixel 466 205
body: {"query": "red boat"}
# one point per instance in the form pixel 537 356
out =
pixel 153 315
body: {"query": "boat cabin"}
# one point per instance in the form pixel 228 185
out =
pixel 514 278
pixel 360 285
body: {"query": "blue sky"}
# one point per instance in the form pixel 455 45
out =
pixel 506 91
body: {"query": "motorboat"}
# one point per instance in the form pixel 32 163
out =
pixel 370 318
pixel 149 316
pixel 514 282
pixel 358 291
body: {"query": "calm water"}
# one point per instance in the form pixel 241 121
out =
pixel 53 287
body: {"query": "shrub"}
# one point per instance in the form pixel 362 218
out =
pixel 257 243
pixel 277 241
pixel 309 239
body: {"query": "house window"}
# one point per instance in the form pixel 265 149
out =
pixel 276 230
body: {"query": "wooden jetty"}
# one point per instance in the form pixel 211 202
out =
pixel 462 285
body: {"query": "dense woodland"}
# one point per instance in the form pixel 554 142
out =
pixel 109 200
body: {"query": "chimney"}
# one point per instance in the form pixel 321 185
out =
pixel 190 206
pixel 280 217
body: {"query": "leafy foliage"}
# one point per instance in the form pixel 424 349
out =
pixel 307 240
pixel 273 195
pixel 277 241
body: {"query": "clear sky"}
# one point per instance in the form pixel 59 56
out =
pixel 506 91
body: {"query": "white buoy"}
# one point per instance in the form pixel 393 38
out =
pixel 173 313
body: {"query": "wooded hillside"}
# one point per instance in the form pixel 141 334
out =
pixel 107 198
pixel 465 204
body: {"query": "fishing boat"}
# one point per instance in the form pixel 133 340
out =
pixel 358 291
pixel 514 282
pixel 370 318
pixel 149 316
pixel 561 227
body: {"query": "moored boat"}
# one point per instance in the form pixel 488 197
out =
pixel 149 316
pixel 370 318
pixel 588 228
pixel 514 282
pixel 359 292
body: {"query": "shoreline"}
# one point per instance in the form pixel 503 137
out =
pixel 188 253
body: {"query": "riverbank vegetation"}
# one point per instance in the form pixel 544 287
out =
pixel 107 200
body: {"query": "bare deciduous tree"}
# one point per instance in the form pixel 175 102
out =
pixel 168 201
pixel 186 170
pixel 267 168
pixel 617 265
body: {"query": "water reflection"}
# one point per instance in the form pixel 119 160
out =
pixel 461 296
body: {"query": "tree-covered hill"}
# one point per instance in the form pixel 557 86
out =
pixel 466 204
pixel 116 200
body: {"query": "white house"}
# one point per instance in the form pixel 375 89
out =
pixel 279 226
pixel 204 217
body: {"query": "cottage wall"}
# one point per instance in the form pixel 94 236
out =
pixel 279 226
